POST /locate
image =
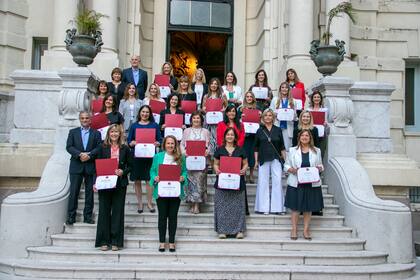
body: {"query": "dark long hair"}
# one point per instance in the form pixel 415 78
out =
pixel 235 142
pixel 168 100
pixel 265 82
pixel 226 119
pixel 114 102
pixel 151 118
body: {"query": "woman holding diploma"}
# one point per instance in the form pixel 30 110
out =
pixel 141 166
pixel 167 69
pixel 306 122
pixel 184 89
pixel 229 204
pixel 129 106
pixel 172 107
pixel 261 82
pixel 284 101
pixel 316 104
pixel 196 191
pixel 153 94
pixel 294 82
pixel 269 151
pixel 303 197
pixel 110 229
pixel 230 119
pixel 168 206
pixel 199 85
pixel 232 92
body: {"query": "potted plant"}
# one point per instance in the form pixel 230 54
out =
pixel 84 41
pixel 325 56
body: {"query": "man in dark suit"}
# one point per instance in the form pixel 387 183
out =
pixel 83 143
pixel 136 76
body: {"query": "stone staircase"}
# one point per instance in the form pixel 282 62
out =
pixel 266 252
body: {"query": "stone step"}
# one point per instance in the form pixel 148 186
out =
pixel 214 244
pixel 152 256
pixel 330 209
pixel 131 197
pixel 208 218
pixel 207 230
pixel 27 269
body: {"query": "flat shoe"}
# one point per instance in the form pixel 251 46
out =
pixel 239 235
pixel 104 248
pixel 114 248
pixel 222 236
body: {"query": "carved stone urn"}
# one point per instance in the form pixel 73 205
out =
pixel 327 57
pixel 83 48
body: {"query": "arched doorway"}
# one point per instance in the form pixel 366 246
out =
pixel 200 36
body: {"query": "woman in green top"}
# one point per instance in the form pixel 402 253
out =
pixel 168 206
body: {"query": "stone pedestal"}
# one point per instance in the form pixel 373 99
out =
pixel 44 210
pixel 35 111
pixel 371 118
pixel 341 139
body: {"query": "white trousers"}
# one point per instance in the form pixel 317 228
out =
pixel 286 139
pixel 262 200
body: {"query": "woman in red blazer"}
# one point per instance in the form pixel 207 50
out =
pixel 230 119
pixel 293 80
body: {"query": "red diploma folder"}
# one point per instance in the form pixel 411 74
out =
pixel 162 80
pixel 196 148
pixel 169 172
pixel 106 166
pixel 298 93
pixel 99 121
pixel 96 105
pixel 146 135
pixel 230 164
pixel 251 115
pixel 318 117
pixel 188 106
pixel 174 120
pixel 157 106
pixel 214 104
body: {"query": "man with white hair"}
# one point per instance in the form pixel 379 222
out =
pixel 136 76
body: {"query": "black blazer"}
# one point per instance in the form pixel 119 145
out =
pixel 174 83
pixel 167 111
pixel 314 132
pixel 127 77
pixel 119 92
pixel 74 147
pixel 125 162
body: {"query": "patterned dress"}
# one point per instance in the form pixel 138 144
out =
pixel 196 191
pixel 212 128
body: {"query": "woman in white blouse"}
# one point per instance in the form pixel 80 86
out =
pixel 232 92
pixel 130 106
pixel 153 94
pixel 199 85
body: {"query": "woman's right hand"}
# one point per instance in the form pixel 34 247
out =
pixel 292 170
pixel 133 143
pixel 157 179
pixel 217 170
pixel 163 126
pixel 94 188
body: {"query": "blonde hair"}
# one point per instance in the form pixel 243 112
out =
pixel 158 90
pixel 311 122
pixel 265 112
pixel 311 140
pixel 177 150
pixel 171 73
pixel 203 79
pixel 119 128
pixel 184 79
pixel 254 101
pixel 289 95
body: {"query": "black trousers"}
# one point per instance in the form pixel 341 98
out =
pixel 110 228
pixel 168 216
pixel 75 183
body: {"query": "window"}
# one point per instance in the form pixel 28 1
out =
pixel 415 194
pixel 412 96
pixel 39 45
pixel 214 13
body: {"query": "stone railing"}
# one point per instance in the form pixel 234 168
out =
pixel 384 224
pixel 44 210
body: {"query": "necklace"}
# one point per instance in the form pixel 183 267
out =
pixel 196 133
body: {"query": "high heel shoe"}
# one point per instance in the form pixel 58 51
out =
pixel 151 209
pixel 172 247
pixel 162 248
pixel 293 235
pixel 307 236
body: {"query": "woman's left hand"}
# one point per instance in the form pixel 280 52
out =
pixel 181 179
pixel 320 168
pixel 242 172
pixel 118 172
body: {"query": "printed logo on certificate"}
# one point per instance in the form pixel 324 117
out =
pixel 174 131
pixel 187 119
pixel 169 189
pixel 144 150
pixel 308 175
pixel 156 117
pixel 103 131
pixel 251 127
pixel 214 117
pixel 196 163
pixel 285 114
pixel 165 91
pixel 260 92
pixel 106 182
pixel 229 181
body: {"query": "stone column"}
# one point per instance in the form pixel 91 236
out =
pixel 64 13
pixel 341 139
pixel 340 27
pixel 301 21
pixel 109 23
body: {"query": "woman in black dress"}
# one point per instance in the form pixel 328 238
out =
pixel 306 198
pixel 229 205
pixel 116 86
pixel 306 122
pixel 110 229
pixel 172 107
